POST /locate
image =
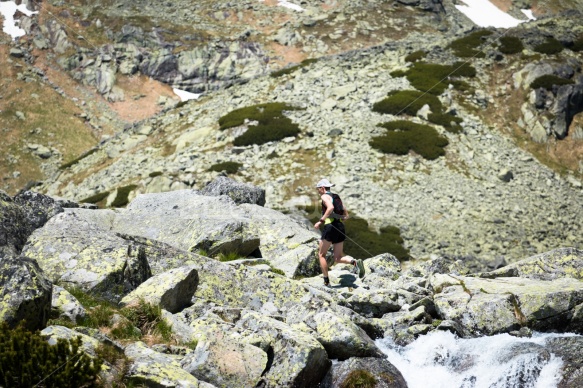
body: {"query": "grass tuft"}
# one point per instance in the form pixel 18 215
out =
pixel 434 79
pixel 550 47
pixel 228 167
pixel 121 199
pixel 467 47
pixel 408 102
pixel 549 81
pixel 510 45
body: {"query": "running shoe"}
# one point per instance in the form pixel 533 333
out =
pixel 360 266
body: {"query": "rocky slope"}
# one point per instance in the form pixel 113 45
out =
pixel 486 198
pixel 274 330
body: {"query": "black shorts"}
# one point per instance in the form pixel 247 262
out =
pixel 334 232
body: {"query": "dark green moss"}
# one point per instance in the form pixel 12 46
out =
pixel 155 174
pixel 550 47
pixel 416 56
pixel 407 102
pixel 467 47
pixel 549 81
pixel 433 78
pixel 272 124
pixel 365 243
pixel 228 167
pixel 404 136
pixel 289 70
pixel 96 198
pixel 510 45
pixel 359 378
pixel 277 271
pixel 398 73
pixel 121 198
pixel 27 360
pixel 449 122
pixel 577 44
pixel 77 160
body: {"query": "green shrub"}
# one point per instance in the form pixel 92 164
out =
pixel 403 136
pixel 291 69
pixel 466 47
pixel 433 78
pixel 415 56
pixel 27 360
pixel 550 47
pixel 228 167
pixel 365 243
pixel 277 271
pixel 224 257
pixel 272 124
pixel 549 81
pixel 155 174
pixel 449 122
pixel 398 73
pixel 77 160
pixel 359 379
pixel 510 45
pixel 96 198
pixel 121 198
pixel 408 102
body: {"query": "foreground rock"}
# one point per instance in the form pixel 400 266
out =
pixel 364 371
pixel 25 293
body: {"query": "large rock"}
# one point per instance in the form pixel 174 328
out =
pixel 570 350
pixel 21 215
pixel 298 359
pixel 284 241
pixel 225 362
pixel 555 264
pixel 491 306
pixel 189 221
pixel 170 290
pixel 569 102
pixel 25 293
pixel 74 248
pixel 154 369
pixel 371 372
pixel 237 191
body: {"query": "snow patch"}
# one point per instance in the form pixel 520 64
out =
pixel 7 10
pixel 485 14
pixel 184 95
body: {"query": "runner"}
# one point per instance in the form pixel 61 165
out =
pixel 333 212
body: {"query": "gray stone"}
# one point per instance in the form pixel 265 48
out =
pixel 66 305
pixel 237 191
pixel 385 374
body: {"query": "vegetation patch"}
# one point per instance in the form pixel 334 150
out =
pixel 467 47
pixel 94 199
pixel 121 198
pixel 404 136
pixel 228 167
pixel 416 56
pixel 154 174
pixel 230 256
pixel 408 102
pixel 77 160
pixel 27 360
pixel 449 122
pixel 291 69
pixel 272 124
pixel 433 78
pixel 549 81
pixel 398 73
pixel 577 44
pixel 510 45
pixel 550 47
pixel 359 379
pixel 365 243
pixel 148 319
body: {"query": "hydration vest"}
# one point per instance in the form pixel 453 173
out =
pixel 338 208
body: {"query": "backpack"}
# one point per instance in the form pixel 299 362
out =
pixel 338 206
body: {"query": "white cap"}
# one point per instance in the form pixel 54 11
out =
pixel 324 183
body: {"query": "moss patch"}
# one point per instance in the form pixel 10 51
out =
pixel 228 167
pixel 359 379
pixel 433 78
pixel 365 243
pixel 121 199
pixel 272 124
pixel 467 47
pixel 550 47
pixel 549 81
pixel 404 136
pixel 510 45
pixel 408 102
pixel 94 199
pixel 416 56
pixel 449 122
pixel 291 69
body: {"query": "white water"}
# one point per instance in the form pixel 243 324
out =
pixel 441 360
